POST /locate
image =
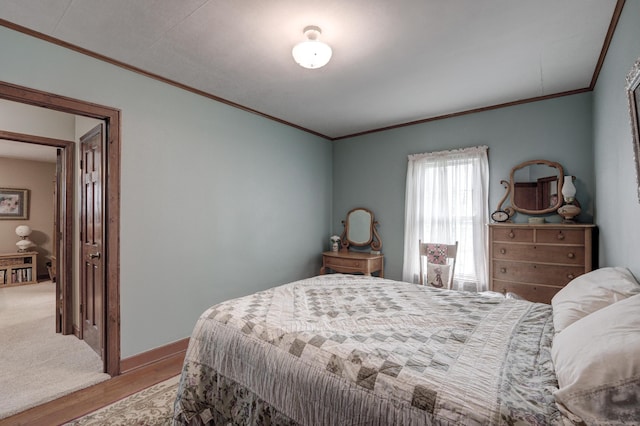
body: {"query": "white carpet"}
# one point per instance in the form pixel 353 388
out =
pixel 37 364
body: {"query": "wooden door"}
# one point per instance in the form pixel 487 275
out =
pixel 92 280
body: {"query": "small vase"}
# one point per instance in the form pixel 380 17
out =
pixel 334 246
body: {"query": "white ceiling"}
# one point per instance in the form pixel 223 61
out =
pixel 27 151
pixel 393 61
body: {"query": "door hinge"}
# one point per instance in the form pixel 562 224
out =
pixel 81 309
pixel 81 165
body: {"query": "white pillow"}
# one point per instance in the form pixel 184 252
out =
pixel 597 364
pixel 591 292
pixel 438 275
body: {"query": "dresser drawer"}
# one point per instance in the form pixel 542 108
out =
pixel 351 263
pixel 535 273
pixel 330 262
pixel 530 292
pixel 566 255
pixel 560 236
pixel 513 234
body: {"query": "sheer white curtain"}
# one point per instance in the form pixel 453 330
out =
pixel 447 197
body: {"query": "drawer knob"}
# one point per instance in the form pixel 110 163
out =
pixel 503 270
pixel 503 251
pixel 571 276
pixel 571 255
pixel 560 235
pixel 512 235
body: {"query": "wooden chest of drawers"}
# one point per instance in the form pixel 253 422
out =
pixel 536 261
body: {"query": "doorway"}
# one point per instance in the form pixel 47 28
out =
pixel 111 255
pixel 63 220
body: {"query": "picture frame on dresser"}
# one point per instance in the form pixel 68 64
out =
pixel 633 94
pixel 14 204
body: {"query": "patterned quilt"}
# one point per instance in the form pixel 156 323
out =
pixel 355 350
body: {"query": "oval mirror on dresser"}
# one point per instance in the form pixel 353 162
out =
pixel 533 188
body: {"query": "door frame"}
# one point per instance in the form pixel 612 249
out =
pixel 112 120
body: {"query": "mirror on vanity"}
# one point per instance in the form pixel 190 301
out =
pixel 360 230
pixel 534 188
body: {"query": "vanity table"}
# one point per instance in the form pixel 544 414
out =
pixel 359 231
pixel 352 262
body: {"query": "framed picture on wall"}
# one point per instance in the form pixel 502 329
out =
pixel 633 93
pixel 14 203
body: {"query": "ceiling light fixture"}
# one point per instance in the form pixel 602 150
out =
pixel 311 53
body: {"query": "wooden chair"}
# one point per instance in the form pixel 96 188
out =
pixel 452 251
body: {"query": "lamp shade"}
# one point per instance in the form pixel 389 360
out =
pixel 312 53
pixel 568 189
pixel 23 231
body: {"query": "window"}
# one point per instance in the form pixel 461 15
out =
pixel 447 195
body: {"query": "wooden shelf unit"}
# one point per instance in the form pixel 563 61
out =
pixel 18 268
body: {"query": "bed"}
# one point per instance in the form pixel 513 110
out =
pixel 356 350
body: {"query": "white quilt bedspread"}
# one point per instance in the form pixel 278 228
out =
pixel 346 350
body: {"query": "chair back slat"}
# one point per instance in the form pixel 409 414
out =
pixel 452 252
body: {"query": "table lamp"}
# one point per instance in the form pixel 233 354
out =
pixel 23 231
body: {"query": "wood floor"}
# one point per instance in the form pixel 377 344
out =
pixel 84 401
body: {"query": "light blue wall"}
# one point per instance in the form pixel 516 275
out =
pixel 370 170
pixel 617 207
pixel 215 202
